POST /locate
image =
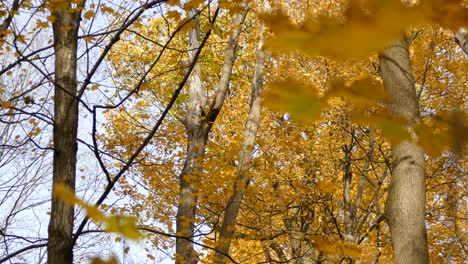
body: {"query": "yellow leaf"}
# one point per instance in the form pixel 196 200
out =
pixel 351 249
pixel 6 104
pixel 94 87
pixel 446 130
pixel 21 39
pixel 234 6
pixel 6 32
pixel 325 187
pixel 51 18
pixel 124 225
pixel 364 32
pixel 290 96
pixel 325 245
pixel 106 9
pixel 360 93
pixel 394 128
pixel 433 143
pixel 112 260
pixel 88 39
pixel 173 3
pixel 42 24
pixel 173 15
pixel 451 14
pixel 192 4
pixel 88 14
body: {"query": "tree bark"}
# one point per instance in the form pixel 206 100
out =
pixel 65 28
pixel 245 158
pixel 7 21
pixel 461 37
pixel 197 139
pixel 407 193
pixel 198 124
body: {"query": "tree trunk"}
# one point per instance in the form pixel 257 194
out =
pixel 407 193
pixel 461 37
pixel 197 138
pixel 60 244
pixel 198 125
pixel 245 158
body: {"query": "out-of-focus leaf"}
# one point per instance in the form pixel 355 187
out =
pixel 459 127
pixel 301 101
pixel 361 93
pixel 6 104
pixel 433 143
pixel 125 225
pixel 325 187
pixel 351 250
pixel 112 260
pixel 88 14
pixel 443 131
pixel 189 5
pixel 324 244
pixel 369 26
pixel 394 128
pixel 451 14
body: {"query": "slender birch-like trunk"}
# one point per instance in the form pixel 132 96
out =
pixel 245 158
pixel 407 193
pixel 60 243
pixel 198 124
pixel 197 139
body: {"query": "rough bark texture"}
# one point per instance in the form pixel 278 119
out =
pixel 349 214
pixel 407 193
pixel 461 37
pixel 60 244
pixel 245 158
pixel 197 138
pixel 198 125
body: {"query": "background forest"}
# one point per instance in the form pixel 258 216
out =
pixel 233 131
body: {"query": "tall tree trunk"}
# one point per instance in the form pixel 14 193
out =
pixel 197 139
pixel 65 28
pixel 407 193
pixel 349 215
pixel 245 158
pixel 198 124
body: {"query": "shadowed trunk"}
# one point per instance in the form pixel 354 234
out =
pixel 60 244
pixel 407 193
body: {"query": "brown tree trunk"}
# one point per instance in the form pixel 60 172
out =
pixel 65 28
pixel 245 158
pixel 198 125
pixel 407 193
